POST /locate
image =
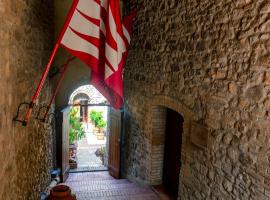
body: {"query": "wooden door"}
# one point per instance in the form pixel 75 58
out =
pixel 172 153
pixel 65 144
pixel 114 142
pixel 62 141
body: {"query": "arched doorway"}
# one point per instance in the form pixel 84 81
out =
pixel 88 121
pixel 172 152
pixel 167 128
pixel 71 155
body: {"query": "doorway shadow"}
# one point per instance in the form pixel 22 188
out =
pixel 173 130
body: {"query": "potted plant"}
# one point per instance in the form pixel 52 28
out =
pixel 99 123
pixel 100 152
pixel 76 132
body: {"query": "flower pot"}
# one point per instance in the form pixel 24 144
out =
pixel 72 150
pixel 95 131
pixel 73 156
pixel 100 134
pixel 61 192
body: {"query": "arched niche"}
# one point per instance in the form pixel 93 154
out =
pixel 155 131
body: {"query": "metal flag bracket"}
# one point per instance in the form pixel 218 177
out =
pixel 43 111
pixel 39 116
pixel 49 121
pixel 18 118
pixel 31 105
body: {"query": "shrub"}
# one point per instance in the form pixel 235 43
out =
pixel 76 131
pixel 97 118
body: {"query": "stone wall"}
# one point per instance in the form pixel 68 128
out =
pixel 208 60
pixel 26 34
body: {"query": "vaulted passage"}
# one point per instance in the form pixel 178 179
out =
pixel 196 109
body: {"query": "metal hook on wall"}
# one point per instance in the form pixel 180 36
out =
pixel 39 116
pixel 17 117
pixel 48 122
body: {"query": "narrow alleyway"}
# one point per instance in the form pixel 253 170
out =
pixel 101 186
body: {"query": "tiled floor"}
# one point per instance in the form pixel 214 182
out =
pixel 163 193
pixel 101 186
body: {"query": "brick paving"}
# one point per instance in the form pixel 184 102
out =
pixel 101 186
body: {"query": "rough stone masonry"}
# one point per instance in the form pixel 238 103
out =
pixel 26 36
pixel 210 58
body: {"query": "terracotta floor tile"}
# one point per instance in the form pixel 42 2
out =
pixel 101 186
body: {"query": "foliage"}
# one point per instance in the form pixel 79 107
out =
pixel 76 131
pixel 97 118
pixel 100 152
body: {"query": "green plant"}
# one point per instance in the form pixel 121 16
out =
pixel 97 118
pixel 100 152
pixel 76 131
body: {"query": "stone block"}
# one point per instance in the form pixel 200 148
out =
pixel 199 135
pixel 267 78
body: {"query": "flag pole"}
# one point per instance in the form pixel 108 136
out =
pixel 65 66
pixel 39 87
pixel 47 69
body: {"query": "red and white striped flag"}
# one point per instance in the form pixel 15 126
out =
pixel 95 34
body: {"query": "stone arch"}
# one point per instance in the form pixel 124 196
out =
pixel 155 130
pixel 80 96
pixel 173 104
pixel 87 92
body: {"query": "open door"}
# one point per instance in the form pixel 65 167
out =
pixel 114 142
pixel 62 151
